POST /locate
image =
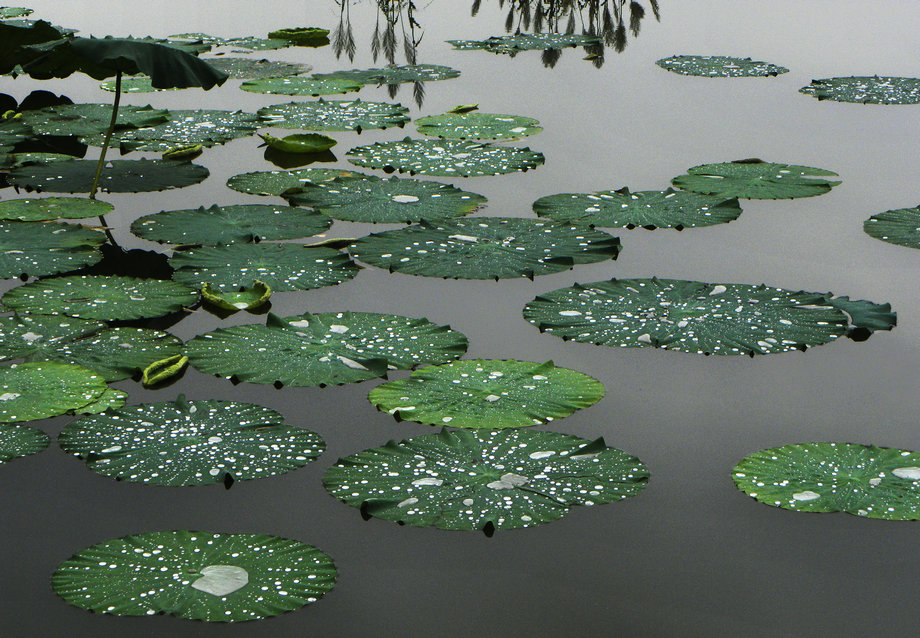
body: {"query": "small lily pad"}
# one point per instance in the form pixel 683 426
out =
pixel 450 158
pixel 334 115
pixel 46 248
pixel 300 143
pixel 245 299
pixel 866 90
pixel 118 176
pixel 49 208
pixel 901 227
pixel 162 370
pixel 312 86
pixel 302 36
pixel 274 183
pixel 250 69
pixel 246 42
pixel 20 440
pixel 756 179
pixel 719 66
pixel 30 391
pixel 393 75
pixel 478 126
pixel 511 45
pixel 14 12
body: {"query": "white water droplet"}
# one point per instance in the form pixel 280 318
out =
pixel 718 290
pixel 541 455
pixel 570 313
pixel 467 501
pixel 407 502
pixel 464 238
pixel 404 199
pixel 428 480
pixel 912 473
pixel 242 305
pixel 109 450
pixel 338 329
pixel 214 471
pixel 9 396
pixel 30 337
pixel 220 580
pixel 508 481
pixel 303 323
pixel 807 495
pixel 492 398
pixel 214 439
pixel 644 338
pixel 351 363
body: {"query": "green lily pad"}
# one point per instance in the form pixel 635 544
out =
pixel 118 176
pixel 487 393
pixel 105 297
pixel 20 440
pixel 111 399
pixel 230 224
pixel 478 126
pixel 369 199
pixel 334 115
pixel 756 179
pixel 190 443
pixel 163 370
pixel 485 248
pixel 393 75
pixel 139 84
pixel 300 143
pixel 513 44
pixel 245 299
pixel 719 66
pixel 283 267
pixel 182 153
pixel 246 42
pixel 484 480
pixel 451 158
pixel 864 480
pixel 274 183
pixel 14 12
pixel 30 391
pixel 22 336
pixel 302 36
pixel 901 227
pixel 324 348
pixel 649 209
pixel 866 90
pixel 196 575
pixel 45 248
pixel 49 208
pixel 88 120
pixel 250 69
pixel 312 86
pixel 187 128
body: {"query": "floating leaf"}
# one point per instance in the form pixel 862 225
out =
pixel 393 75
pixel 312 86
pixel 484 480
pixel 334 115
pixel 452 158
pixel 245 299
pixel 249 69
pixel 45 248
pixel 648 209
pixel 866 90
pixel 186 128
pixel 22 336
pixel 478 126
pixel 48 208
pixel 300 143
pixel 88 120
pixel 514 44
pixel 324 348
pixel 20 440
pixel 719 66
pixel 196 575
pixel 14 12
pixel 485 248
pixel 246 42
pixel 30 391
pixel 302 36
pixel 901 226
pixel 369 199
pixel 283 182
pixel 864 480
pixel 756 179
pixel 163 370
pixel 139 84
pixel 188 152
pixel 865 316
pixel 486 393
pixel 118 176
pixel 111 399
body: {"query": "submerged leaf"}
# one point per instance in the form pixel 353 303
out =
pixel 30 391
pixel 866 90
pixel 118 176
pixel 719 66
pixel 756 179
pixel 20 440
pixel 452 158
pixel 334 115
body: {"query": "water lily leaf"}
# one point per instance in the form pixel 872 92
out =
pixel 30 391
pixel 324 348
pixel 186 128
pixel 334 115
pixel 230 224
pixel 689 316
pixel 88 120
pixel 196 575
pixel 300 143
pixel 901 226
pixel 13 37
pixel 118 176
pixel 369 199
pixel 865 480
pixel 12 132
pixel 48 208
pixel 301 86
pixel 111 399
pixel 245 299
pixel 45 248
pixel 452 158
pixel 105 297
pixel 20 440
pixel 484 480
pixel 14 12
pixel 756 179
pixel 866 90
pixel 719 66
pixel 478 126
pixel 393 75
pixel 648 209
pixel 865 316
pixel 283 182
pixel 302 36
pixel 249 69
pixel 513 44
pixel 139 84
pixel 182 153
pixel 246 42
pixel 283 267
pixel 487 393
pixel 22 336
pixel 485 248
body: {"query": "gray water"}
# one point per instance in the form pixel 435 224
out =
pixel 690 556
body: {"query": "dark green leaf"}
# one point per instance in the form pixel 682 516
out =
pixel 719 66
pixel 334 115
pixel 756 179
pixel 866 90
pixel 450 158
pixel 118 176
pixel 45 248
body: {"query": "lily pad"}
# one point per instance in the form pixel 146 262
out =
pixel 196 575
pixel 901 227
pixel 48 208
pixel 756 179
pixel 282 267
pixel 478 126
pixel 393 75
pixel 485 248
pixel 369 199
pixel 118 176
pixel 249 69
pixel 105 297
pixel 14 12
pixel 274 183
pixel 230 224
pixel 139 84
pixel 88 120
pixel 45 248
pixel 484 480
pixel 30 391
pixel 312 86
pixel 247 42
pixel 719 66
pixel 111 399
pixel 22 336
pixel 245 299
pixel 300 143
pixel 451 158
pixel 324 348
pixel 864 480
pixel 190 443
pixel 486 393
pixel 513 44
pixel 302 36
pixel 334 115
pixel 187 128
pixel 649 209
pixel 866 90
pixel 20 440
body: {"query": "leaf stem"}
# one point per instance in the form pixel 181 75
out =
pixel 108 136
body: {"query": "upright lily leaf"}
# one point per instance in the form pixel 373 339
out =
pixel 88 120
pixel 119 176
pixel 105 297
pixel 186 128
pixel 513 44
pixel 689 316
pixel 190 443
pixel 369 199
pixel 45 248
pixel 452 158
pixel 48 208
pixel 24 336
pixel 20 440
pixel 334 115
pixel 484 480
pixel 486 393
pixel 14 36
pixel 163 370
pixel 866 90
pixel 283 182
pixel 478 126
pixel 323 349
pixel 312 86
pixel 280 266
pixel 485 248
pixel 393 75
pixel 901 226
pixel 250 69
pixel 865 480
pixel 30 391
pixel 648 209
pixel 719 66
pixel 196 575
pixel 756 179
pixel 230 224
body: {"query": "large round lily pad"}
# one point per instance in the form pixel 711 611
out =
pixel 865 480
pixel 118 176
pixel 49 208
pixel 190 443
pixel 251 69
pixel 274 183
pixel 324 348
pixel 312 86
pixel 187 128
pixel 719 66
pixel 513 44
pixel 334 115
pixel 866 90
pixel 30 391
pixel 369 199
pixel 487 393
pixel 649 209
pixel 20 440
pixel 484 480
pixel 23 336
pixel 393 75
pixel 756 179
pixel 451 158
pixel 478 126
pixel 901 227
pixel 88 120
pixel 485 248
pixel 45 248
pixel 196 575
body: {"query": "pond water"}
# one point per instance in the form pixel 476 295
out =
pixel 691 555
